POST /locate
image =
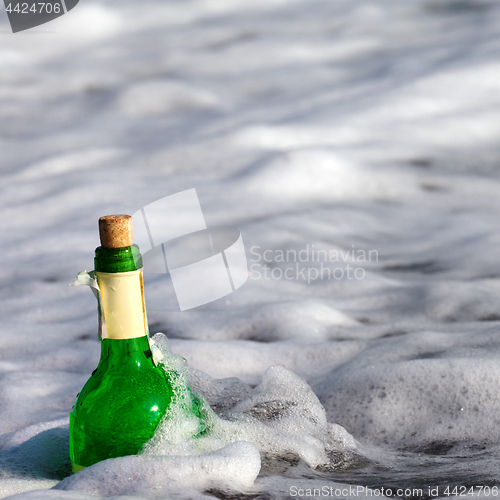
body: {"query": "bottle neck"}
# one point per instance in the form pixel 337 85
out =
pixel 123 314
pixel 117 260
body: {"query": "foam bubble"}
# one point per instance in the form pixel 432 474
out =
pixel 233 467
pixel 424 391
pixel 281 417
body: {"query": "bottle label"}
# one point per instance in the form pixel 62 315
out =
pixel 123 308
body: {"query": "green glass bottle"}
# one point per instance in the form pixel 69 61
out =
pixel 121 405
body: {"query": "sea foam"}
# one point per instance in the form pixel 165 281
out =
pixel 281 419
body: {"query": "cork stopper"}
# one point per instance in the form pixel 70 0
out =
pixel 115 231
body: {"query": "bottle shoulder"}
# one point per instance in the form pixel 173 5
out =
pixel 126 375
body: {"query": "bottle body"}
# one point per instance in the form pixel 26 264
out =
pixel 121 405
